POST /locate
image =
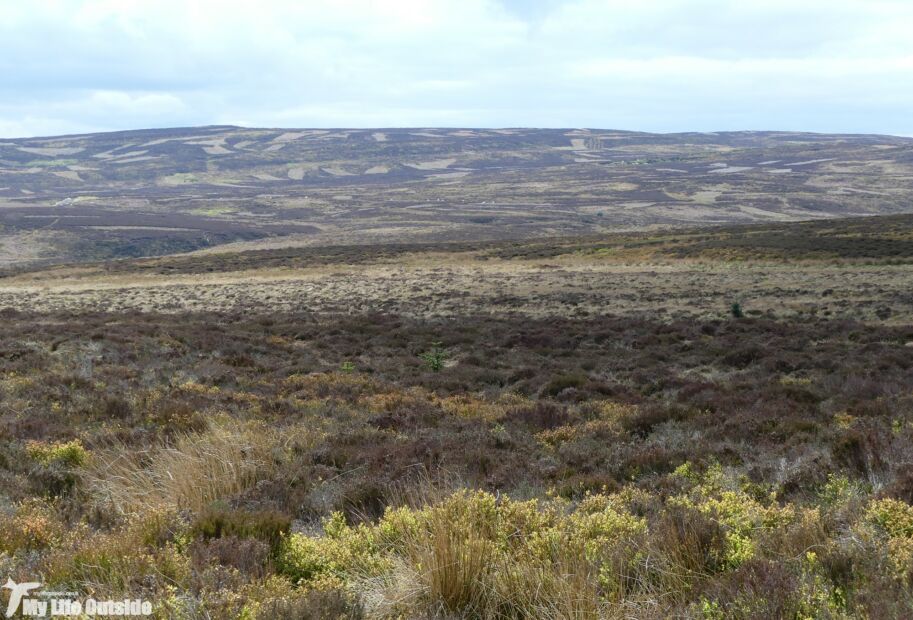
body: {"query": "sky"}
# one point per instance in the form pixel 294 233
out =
pixel 77 66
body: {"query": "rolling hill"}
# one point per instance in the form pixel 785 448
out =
pixel 162 191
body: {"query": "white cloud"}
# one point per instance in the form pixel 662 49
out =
pixel 839 65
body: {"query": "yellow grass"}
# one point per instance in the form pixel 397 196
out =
pixel 191 473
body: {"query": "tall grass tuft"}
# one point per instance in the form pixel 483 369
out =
pixel 453 565
pixel 562 587
pixel 190 473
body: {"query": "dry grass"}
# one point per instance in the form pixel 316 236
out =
pixel 786 271
pixel 444 286
pixel 191 473
pixel 453 566
pixel 566 588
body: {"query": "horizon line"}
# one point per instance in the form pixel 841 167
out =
pixel 452 127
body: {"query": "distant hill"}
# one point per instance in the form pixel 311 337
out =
pixel 153 192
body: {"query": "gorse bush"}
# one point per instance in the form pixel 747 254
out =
pixel 474 554
pixel 69 454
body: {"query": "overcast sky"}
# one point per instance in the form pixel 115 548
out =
pixel 71 66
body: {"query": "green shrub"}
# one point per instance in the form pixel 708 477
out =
pixel 435 357
pixel 69 454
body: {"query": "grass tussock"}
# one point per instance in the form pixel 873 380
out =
pixel 190 473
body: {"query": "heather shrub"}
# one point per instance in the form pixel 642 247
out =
pixel 117 563
pixel 33 524
pixel 250 557
pixel 564 382
pixel 235 467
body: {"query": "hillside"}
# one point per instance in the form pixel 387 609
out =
pixel 704 423
pixel 153 192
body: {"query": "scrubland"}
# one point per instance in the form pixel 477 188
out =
pixel 711 424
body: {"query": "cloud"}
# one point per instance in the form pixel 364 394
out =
pixel 725 29
pixel 841 65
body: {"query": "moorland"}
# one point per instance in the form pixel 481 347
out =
pixel 708 422
pixel 459 373
pixel 152 192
